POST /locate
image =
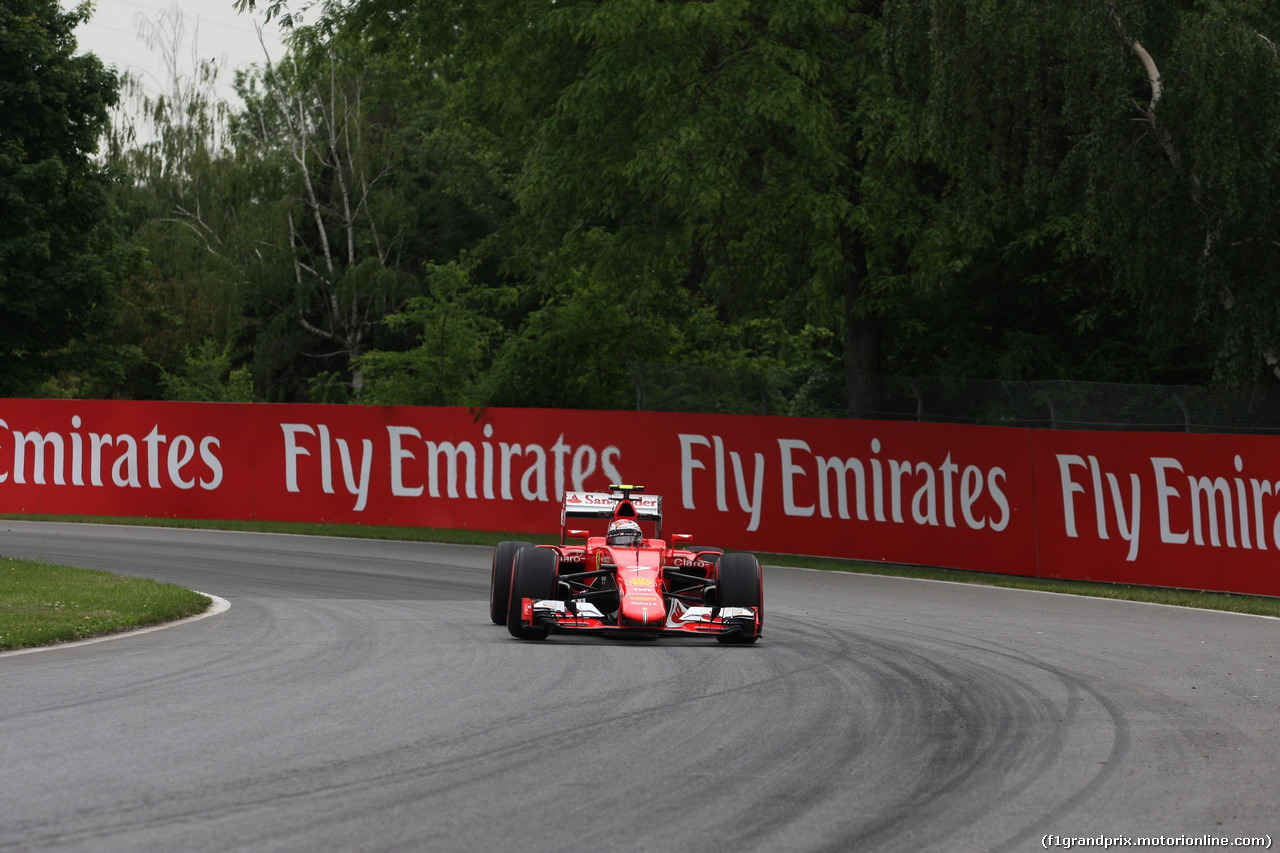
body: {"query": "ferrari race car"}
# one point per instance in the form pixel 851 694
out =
pixel 623 582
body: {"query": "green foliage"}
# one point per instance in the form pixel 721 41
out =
pixel 543 203
pixel 197 207
pixel 60 250
pixel 208 375
pixel 575 354
pixel 1047 118
pixel 455 334
pixel 328 387
pixel 714 141
pixel 710 151
pixel 289 228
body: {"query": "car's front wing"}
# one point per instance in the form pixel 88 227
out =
pixel 680 620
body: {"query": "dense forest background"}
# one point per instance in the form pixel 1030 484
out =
pixel 512 203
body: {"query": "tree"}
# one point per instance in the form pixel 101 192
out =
pixel 1034 190
pixel 455 331
pixel 1138 143
pixel 343 246
pixel 724 151
pixel 183 189
pixel 208 376
pixel 274 232
pixel 368 192
pixel 716 163
pixel 60 249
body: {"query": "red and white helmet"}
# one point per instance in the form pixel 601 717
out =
pixel 624 533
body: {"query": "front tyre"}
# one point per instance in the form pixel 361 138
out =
pixel 741 584
pixel 533 575
pixel 500 579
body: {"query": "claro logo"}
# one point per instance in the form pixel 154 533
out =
pixel 94 459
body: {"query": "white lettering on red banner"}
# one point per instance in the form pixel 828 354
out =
pixel 1195 511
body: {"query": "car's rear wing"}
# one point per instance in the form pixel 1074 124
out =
pixel 624 503
pixel 602 505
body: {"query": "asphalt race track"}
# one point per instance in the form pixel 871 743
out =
pixel 357 697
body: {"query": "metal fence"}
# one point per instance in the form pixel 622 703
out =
pixel 1047 405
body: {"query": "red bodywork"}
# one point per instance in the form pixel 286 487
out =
pixel 652 588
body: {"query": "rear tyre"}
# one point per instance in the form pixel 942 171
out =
pixel 533 575
pixel 741 584
pixel 500 579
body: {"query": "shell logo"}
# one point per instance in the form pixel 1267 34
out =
pixel 639 582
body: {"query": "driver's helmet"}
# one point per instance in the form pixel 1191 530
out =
pixel 623 533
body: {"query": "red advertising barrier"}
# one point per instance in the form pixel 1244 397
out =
pixel 1190 511
pixel 128 459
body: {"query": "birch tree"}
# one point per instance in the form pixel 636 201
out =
pixel 341 238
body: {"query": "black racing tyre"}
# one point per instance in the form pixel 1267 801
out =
pixel 500 579
pixel 533 575
pixel 741 584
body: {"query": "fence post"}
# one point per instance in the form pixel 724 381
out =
pixel 638 379
pixel 1053 413
pixel 764 393
pixel 919 400
pixel 1186 415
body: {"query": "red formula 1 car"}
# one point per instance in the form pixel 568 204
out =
pixel 622 581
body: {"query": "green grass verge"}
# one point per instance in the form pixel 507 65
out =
pixel 41 603
pixel 1258 605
